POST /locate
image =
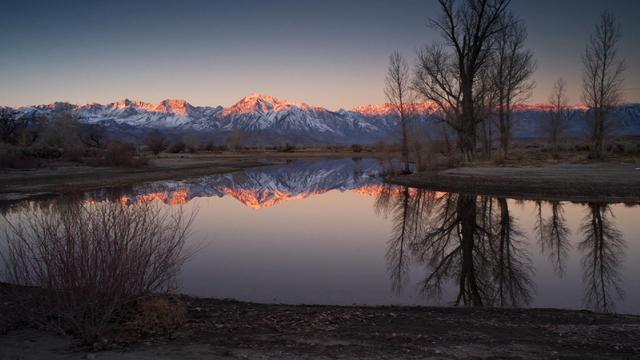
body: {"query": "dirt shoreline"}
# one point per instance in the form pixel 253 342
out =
pixel 69 177
pixel 226 329
pixel 569 182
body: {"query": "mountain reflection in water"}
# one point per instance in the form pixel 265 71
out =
pixel 260 188
pixel 355 239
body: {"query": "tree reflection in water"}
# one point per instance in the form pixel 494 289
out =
pixel 602 249
pixel 474 243
pixel 469 240
pixel 554 235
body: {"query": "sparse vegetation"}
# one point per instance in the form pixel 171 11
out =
pixel 92 260
pixel 156 142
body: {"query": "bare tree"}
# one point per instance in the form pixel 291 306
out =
pixel 602 78
pixel 448 73
pixel 397 90
pixel 236 139
pixel 510 74
pixel 92 135
pixel 10 126
pixel 156 142
pixel 558 115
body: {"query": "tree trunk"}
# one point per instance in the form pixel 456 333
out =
pixel 405 143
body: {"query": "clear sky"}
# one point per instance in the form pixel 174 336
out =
pixel 330 53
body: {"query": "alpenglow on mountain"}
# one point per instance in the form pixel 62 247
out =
pixel 267 120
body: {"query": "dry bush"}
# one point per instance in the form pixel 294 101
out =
pixel 12 157
pixel 118 153
pixel 93 260
pixel 177 147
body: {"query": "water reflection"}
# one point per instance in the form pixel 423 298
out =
pixel 258 188
pixel 554 235
pixel 470 241
pixel 474 244
pixel 602 250
pixel 383 244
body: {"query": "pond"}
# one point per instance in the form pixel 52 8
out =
pixel 331 232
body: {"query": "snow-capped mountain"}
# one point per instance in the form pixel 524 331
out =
pixel 266 119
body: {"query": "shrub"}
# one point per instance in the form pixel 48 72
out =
pixel 177 147
pixel 94 260
pixel 118 153
pixel 356 148
pixel 43 152
pixel 288 148
pixel 12 157
pixel 156 142
pixel 73 152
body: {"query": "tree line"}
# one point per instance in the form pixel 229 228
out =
pixel 480 70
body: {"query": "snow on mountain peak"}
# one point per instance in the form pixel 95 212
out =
pixel 174 106
pixel 257 102
pixel 388 109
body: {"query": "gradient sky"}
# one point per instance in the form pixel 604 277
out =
pixel 329 53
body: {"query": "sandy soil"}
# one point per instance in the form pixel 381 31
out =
pixel 596 181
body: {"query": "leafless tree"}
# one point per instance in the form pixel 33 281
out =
pixel 236 139
pixel 92 135
pixel 156 142
pixel 558 116
pixel 398 92
pixel 448 73
pixel 602 78
pixel 10 126
pixel 94 259
pixel 510 72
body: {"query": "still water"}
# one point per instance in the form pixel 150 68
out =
pixel 330 232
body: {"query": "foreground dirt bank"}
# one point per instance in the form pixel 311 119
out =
pixel 220 329
pixel 579 182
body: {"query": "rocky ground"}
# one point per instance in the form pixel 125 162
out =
pixel 221 329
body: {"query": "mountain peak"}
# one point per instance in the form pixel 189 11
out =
pixel 174 106
pixel 388 109
pixel 263 103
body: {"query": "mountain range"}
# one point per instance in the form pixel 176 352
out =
pixel 265 119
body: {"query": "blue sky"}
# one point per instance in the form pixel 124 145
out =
pixel 329 53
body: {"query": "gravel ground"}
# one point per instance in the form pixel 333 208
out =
pixel 224 329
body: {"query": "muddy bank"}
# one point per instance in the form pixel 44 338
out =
pixel 61 177
pixel 224 329
pixel 574 182
pixel 17 184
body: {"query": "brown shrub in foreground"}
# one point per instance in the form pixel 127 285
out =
pixel 93 260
